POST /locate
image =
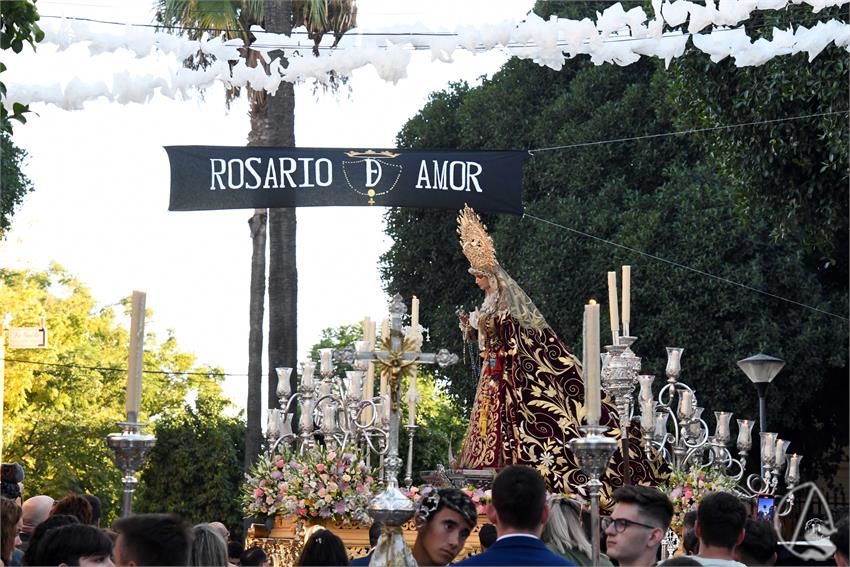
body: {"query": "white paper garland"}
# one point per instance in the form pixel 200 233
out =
pixel 617 36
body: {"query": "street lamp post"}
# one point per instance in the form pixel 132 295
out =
pixel 761 369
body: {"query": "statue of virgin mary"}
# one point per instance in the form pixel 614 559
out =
pixel 529 402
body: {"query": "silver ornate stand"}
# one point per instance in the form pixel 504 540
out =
pixel 594 451
pixel 131 447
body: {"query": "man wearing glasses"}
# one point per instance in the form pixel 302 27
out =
pixel 637 525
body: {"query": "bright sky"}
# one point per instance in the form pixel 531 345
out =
pixel 101 183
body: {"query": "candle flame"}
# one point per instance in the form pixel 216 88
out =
pixel 591 302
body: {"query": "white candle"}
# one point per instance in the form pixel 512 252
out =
pixel 307 416
pixel 592 390
pixel 685 403
pixel 414 313
pixel 136 356
pixel 647 414
pixel 627 298
pixel 612 306
pixel 386 406
pixel 793 473
pixel 325 358
pixel 385 329
pixel 328 418
pixel 661 425
pixel 370 333
pixel 745 428
pixel 412 397
pixel 780 452
pixel 645 381
pixel 307 376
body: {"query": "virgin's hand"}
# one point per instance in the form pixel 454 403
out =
pixel 473 318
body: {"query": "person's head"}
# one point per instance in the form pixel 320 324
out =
pixel 11 479
pixel 721 518
pixel 375 532
pixel 152 539
pixel 759 544
pixel 444 520
pixel 689 520
pixel 35 511
pixel 234 551
pixel 323 548
pixel 691 543
pixel 10 525
pixel 31 555
pixel 222 530
pixel 637 524
pixel 564 532
pixel 76 544
pixel 253 557
pixel 487 536
pixel 208 547
pixel 74 505
pixel 519 500
pixel 94 501
pixel 840 540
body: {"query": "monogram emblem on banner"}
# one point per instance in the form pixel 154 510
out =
pixel 371 173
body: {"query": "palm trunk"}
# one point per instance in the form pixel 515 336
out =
pixel 254 432
pixel 279 130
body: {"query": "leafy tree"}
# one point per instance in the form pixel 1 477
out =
pixel 17 25
pixel 61 402
pixel 794 173
pixel 195 468
pixel 661 196
pixel 14 182
pixel 272 124
pixel 440 432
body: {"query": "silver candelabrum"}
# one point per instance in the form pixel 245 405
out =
pixel 593 452
pixel 344 418
pixel 131 446
pixel 673 424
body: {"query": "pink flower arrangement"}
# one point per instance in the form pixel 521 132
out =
pixel 687 488
pixel 318 484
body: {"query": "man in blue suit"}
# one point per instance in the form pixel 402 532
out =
pixel 519 513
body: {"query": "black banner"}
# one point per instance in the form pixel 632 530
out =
pixel 219 177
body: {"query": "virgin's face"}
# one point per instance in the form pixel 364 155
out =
pixel 483 282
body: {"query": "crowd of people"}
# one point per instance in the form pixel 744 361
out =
pixel 527 527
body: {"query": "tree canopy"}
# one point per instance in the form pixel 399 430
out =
pixel 61 402
pixel 663 206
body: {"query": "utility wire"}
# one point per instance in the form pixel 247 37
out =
pixel 684 267
pixel 110 369
pixel 612 38
pixel 690 131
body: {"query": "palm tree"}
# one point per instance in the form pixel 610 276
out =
pixel 272 124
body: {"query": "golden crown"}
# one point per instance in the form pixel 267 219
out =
pixel 372 154
pixel 476 244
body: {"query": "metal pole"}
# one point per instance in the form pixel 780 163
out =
pixel 761 388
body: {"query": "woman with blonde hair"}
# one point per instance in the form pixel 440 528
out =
pixel 565 535
pixel 208 547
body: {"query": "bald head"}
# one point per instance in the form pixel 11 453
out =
pixel 36 510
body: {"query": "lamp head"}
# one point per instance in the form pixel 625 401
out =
pixel 761 368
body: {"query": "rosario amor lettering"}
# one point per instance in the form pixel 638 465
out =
pixel 270 173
